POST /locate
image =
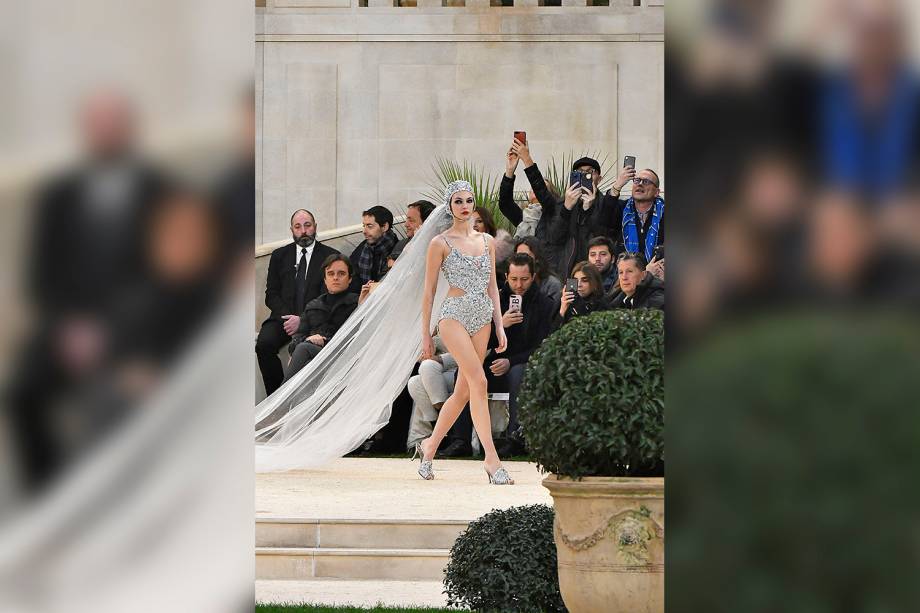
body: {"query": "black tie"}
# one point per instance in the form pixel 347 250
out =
pixel 300 282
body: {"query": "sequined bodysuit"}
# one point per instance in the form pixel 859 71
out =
pixel 471 273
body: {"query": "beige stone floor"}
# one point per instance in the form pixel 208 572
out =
pixel 389 488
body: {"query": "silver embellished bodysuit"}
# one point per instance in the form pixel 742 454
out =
pixel 471 273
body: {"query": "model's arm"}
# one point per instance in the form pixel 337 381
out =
pixel 496 304
pixel 432 263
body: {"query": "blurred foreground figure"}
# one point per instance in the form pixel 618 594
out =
pixel 794 129
pixel 86 249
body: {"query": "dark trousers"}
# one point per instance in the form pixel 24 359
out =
pixel 303 353
pixel 35 387
pixel 392 437
pixel 515 376
pixel 271 339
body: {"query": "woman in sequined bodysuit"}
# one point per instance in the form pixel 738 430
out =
pixel 467 259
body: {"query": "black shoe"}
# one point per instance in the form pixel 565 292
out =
pixel 512 445
pixel 456 449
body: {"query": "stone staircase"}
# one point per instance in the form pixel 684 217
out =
pixel 354 549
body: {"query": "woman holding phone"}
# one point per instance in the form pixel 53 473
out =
pixel 583 293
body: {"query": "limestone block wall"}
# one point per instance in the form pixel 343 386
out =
pixel 355 102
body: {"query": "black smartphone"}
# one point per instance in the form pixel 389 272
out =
pixel 583 179
pixel 658 254
pixel 571 285
pixel 521 136
pixel 629 161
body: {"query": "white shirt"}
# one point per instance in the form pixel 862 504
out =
pixel 306 256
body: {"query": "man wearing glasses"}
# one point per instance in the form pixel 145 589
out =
pixel 637 222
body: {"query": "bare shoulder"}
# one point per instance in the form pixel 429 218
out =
pixel 437 244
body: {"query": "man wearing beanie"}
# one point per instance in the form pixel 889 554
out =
pixel 577 221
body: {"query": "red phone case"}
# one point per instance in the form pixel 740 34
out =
pixel 521 136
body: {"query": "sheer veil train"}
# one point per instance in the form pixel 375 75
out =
pixel 344 395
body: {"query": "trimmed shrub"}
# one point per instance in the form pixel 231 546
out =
pixel 506 561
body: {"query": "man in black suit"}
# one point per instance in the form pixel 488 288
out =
pixel 295 277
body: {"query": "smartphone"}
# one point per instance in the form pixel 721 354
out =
pixel 581 178
pixel 571 285
pixel 514 302
pixel 521 136
pixel 629 161
pixel 659 252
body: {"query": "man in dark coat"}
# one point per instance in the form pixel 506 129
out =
pixel 638 288
pixel 324 315
pixel 295 277
pixel 525 328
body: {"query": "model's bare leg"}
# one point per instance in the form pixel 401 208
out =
pixel 469 353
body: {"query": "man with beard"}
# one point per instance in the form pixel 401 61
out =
pixel 369 259
pixel 600 253
pixel 295 277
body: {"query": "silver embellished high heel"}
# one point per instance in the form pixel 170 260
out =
pixel 425 470
pixel 499 477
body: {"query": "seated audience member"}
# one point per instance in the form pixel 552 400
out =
pixel 578 220
pixel 637 222
pixel 600 253
pixel 295 277
pixel 545 278
pixel 416 214
pixel 369 259
pixel 525 327
pixel 323 316
pixel 638 289
pixel 589 297
pixel 433 384
pixel 484 222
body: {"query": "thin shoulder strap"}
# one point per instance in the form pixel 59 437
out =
pixel 447 241
pixel 485 241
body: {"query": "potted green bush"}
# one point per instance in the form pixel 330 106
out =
pixel 592 407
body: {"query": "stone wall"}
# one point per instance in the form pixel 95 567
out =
pixel 355 102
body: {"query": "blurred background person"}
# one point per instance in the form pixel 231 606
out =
pixel 85 250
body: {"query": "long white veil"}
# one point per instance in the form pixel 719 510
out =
pixel 344 395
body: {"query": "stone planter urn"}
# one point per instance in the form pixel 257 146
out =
pixel 609 534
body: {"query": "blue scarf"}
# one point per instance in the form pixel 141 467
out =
pixel 631 230
pixel 869 154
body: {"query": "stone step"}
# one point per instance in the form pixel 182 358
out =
pixel 304 563
pixel 358 533
pixel 352 592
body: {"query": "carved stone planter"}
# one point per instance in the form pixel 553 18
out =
pixel 609 534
